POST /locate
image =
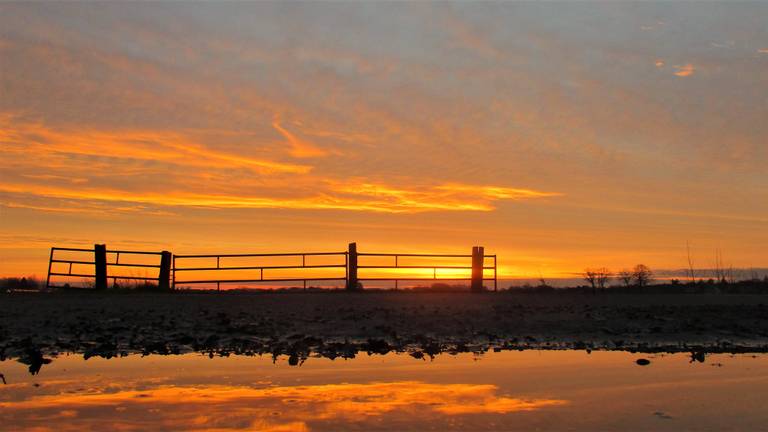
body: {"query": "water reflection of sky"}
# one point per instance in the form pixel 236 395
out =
pixel 509 390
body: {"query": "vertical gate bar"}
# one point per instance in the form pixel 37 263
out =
pixel 50 263
pixel 173 273
pixel 495 279
pixel 117 258
pixel 70 268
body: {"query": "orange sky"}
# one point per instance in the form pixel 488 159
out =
pixel 557 136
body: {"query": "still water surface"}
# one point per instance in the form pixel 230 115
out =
pixel 530 390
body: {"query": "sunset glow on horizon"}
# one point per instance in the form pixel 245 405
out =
pixel 557 136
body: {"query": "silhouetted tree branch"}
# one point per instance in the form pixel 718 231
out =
pixel 642 275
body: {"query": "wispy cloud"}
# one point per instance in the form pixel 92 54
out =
pixel 148 145
pixel 128 170
pixel 332 195
pixel 89 208
pixel 684 70
pixel 499 192
pixel 466 35
pixel 299 148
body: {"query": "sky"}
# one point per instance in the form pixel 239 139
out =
pixel 559 136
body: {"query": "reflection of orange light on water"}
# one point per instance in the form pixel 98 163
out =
pixel 226 406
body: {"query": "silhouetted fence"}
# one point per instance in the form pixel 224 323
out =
pixel 99 260
pixel 171 267
pixel 477 268
pixel 178 267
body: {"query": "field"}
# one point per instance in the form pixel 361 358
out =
pixel 34 327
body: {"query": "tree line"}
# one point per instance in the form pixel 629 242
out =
pixel 640 276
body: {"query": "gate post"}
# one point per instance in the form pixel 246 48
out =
pixel 478 253
pixel 100 260
pixel 163 282
pixel 352 267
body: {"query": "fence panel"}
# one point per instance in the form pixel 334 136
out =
pixel 477 269
pixel 179 268
pixel 99 259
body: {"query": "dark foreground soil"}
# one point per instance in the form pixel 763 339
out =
pixel 34 327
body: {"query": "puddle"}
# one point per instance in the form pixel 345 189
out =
pixel 525 390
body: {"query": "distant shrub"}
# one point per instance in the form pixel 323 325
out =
pixel 134 285
pixel 21 284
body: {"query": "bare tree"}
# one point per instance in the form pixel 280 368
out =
pixel 719 270
pixel 642 275
pixel 753 275
pixel 603 276
pixel 690 262
pixel 625 276
pixel 597 277
pixel 732 276
pixel 590 276
pixel 723 274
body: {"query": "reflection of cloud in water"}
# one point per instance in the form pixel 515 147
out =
pixel 267 408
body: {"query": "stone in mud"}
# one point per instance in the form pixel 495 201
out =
pixel 643 362
pixel 698 356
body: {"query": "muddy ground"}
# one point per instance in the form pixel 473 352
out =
pixel 36 327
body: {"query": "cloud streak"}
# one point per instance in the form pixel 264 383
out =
pixel 121 171
pixel 299 148
pixel 684 70
pixel 147 145
pixel 335 196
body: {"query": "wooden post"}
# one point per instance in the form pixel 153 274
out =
pixel 352 267
pixel 100 260
pixel 163 282
pixel 478 253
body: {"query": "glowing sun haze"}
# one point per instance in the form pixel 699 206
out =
pixel 558 136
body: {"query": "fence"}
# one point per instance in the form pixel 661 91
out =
pixel 178 268
pixel 172 267
pixel 477 267
pixel 99 255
